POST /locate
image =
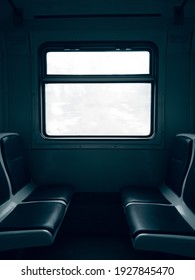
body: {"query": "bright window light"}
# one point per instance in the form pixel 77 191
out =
pixel 98 109
pixel 98 63
pixel 97 92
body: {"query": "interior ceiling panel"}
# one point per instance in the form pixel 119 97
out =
pixel 40 8
pixel 84 7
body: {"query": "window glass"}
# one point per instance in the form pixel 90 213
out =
pixel 98 63
pixel 98 109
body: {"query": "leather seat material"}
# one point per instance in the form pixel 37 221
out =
pixel 162 219
pixel 33 216
pixel 15 162
pixel 189 191
pixel 142 194
pixel 51 192
pixel 4 187
pixel 179 163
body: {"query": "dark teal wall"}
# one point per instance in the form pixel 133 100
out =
pixel 97 168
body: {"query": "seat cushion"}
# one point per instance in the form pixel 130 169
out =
pixel 34 216
pixel 142 194
pixel 51 192
pixel 162 219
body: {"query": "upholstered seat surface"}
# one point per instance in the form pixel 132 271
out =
pixel 157 219
pixel 34 216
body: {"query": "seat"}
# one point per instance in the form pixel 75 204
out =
pixel 23 222
pixel 19 175
pixel 175 175
pixel 169 227
pixel 31 224
pixel 161 228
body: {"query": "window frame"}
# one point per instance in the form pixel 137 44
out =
pixel 151 78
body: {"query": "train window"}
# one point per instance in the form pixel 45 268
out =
pixel 97 92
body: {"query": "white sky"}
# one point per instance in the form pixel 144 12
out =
pixel 109 62
pixel 98 109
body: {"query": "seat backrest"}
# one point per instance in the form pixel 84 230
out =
pixel 179 162
pixel 14 160
pixel 189 188
pixel 4 186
